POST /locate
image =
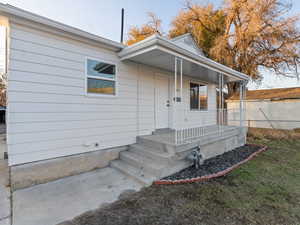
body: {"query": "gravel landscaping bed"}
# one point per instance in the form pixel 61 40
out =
pixel 216 164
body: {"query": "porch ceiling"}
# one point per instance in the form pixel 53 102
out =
pixel 160 53
pixel 162 60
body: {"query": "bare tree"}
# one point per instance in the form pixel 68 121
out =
pixel 202 21
pixel 246 35
pixel 137 34
pixel 258 34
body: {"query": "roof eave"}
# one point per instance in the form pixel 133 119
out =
pixel 14 12
pixel 156 40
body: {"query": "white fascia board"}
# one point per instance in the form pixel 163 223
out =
pixel 152 40
pixel 127 53
pixel 11 11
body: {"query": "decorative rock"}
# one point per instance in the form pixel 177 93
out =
pixel 254 150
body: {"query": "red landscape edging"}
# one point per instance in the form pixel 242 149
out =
pixel 215 175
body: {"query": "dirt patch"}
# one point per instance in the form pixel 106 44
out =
pixel 216 164
pixel 297 130
pixel 273 134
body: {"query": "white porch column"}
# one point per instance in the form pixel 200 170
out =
pixel 242 95
pixel 219 106
pixel 178 98
pixel 175 81
pixel 221 100
pixel 222 97
pixel 178 95
pixel 245 104
pixel 181 82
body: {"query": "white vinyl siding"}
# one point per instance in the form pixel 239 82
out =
pixel 195 118
pixel 49 113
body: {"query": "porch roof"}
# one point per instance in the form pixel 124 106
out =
pixel 159 52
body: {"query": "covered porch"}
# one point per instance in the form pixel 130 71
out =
pixel 184 61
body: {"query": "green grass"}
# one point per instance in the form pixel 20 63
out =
pixel 266 190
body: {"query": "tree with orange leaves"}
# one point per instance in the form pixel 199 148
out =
pixel 246 35
pixel 137 34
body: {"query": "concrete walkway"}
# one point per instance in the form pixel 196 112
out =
pixel 55 202
pixel 4 194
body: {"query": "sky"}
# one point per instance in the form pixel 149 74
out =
pixel 102 17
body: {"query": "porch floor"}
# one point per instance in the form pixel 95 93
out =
pixel 209 132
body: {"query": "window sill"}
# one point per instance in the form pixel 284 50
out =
pixel 198 110
pixel 91 95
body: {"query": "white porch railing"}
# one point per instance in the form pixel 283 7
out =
pixel 225 120
pixel 224 117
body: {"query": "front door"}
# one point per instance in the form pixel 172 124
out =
pixel 162 101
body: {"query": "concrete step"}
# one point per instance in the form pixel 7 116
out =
pixel 133 172
pixel 162 131
pixel 155 145
pixel 150 154
pixel 141 162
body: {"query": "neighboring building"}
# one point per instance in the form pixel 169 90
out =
pixel 277 108
pixel 76 100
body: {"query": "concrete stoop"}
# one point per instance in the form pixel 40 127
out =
pixel 155 156
pixel 149 160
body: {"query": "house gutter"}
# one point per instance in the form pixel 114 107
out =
pixel 158 41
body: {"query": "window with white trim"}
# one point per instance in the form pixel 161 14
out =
pixel 101 77
pixel 198 96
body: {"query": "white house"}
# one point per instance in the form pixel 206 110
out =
pixel 76 100
pixel 276 108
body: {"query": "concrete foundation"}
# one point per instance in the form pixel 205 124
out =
pixel 223 145
pixel 157 156
pixel 26 175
